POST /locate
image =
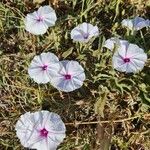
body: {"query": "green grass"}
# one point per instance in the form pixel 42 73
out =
pixel 120 102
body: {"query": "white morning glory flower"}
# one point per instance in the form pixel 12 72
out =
pixel 43 67
pixel 129 58
pixel 70 77
pixel 136 24
pixel 114 43
pixel 38 22
pixel 42 130
pixel 84 32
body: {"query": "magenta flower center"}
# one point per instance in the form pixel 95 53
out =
pixel 44 67
pixel 67 76
pixel 126 60
pixel 39 19
pixel 43 132
pixel 86 35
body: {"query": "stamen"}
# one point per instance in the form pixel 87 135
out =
pixel 126 60
pixel 43 132
pixel 44 67
pixel 86 35
pixel 39 19
pixel 67 76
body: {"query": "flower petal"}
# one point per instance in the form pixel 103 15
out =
pixel 128 23
pixel 48 14
pixel 84 32
pixel 38 22
pixel 72 68
pixel 136 56
pixel 29 127
pixel 48 60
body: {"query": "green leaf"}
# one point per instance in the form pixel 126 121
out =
pixel 100 104
pixel 144 97
pixel 67 53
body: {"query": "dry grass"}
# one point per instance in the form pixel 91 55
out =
pixel 120 102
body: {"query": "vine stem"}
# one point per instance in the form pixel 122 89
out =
pixel 108 121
